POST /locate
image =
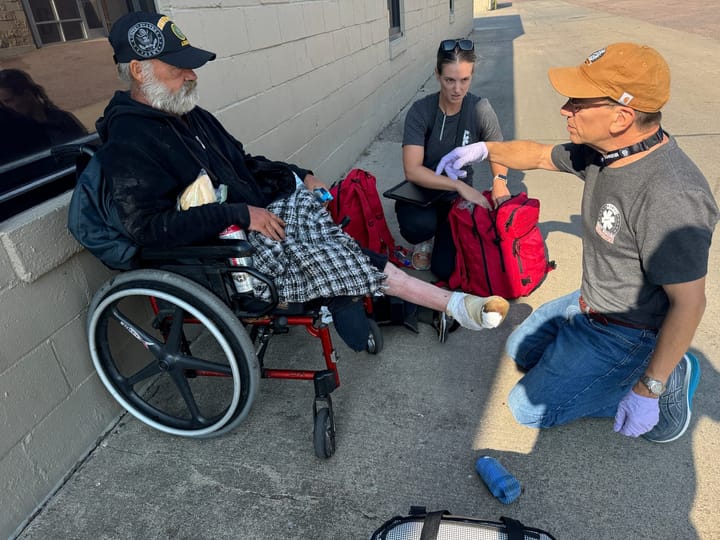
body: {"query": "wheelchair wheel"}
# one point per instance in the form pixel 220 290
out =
pixel 375 338
pixel 324 433
pixel 145 361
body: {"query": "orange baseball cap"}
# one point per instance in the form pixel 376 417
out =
pixel 631 74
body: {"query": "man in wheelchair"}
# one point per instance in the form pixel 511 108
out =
pixel 157 141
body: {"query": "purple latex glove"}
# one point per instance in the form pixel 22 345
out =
pixel 454 161
pixel 636 414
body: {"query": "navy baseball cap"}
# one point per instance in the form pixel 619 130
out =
pixel 142 36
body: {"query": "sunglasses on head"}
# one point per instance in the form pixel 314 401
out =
pixel 448 45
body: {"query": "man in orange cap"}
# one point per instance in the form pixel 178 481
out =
pixel 616 347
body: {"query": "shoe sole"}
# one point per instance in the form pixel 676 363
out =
pixel 693 373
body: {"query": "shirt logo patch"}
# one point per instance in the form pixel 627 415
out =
pixel 466 138
pixel 608 222
pixel 146 39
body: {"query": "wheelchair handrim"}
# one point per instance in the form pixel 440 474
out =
pixel 227 349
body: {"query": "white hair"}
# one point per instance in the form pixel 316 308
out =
pixel 156 93
pixel 123 70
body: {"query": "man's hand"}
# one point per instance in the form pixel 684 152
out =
pixel 636 414
pixel 453 162
pixel 266 223
pixel 500 193
pixel 472 195
pixel 312 182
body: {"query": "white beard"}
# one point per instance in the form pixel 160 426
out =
pixel 159 97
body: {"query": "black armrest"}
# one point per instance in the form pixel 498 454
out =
pixel 226 250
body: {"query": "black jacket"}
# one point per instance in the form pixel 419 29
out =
pixel 149 157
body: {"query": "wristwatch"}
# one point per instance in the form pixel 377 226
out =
pixel 656 387
pixel 500 177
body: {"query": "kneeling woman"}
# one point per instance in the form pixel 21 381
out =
pixel 435 125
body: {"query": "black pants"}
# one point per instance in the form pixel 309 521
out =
pixel 418 224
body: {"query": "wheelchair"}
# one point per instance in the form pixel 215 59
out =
pixel 182 351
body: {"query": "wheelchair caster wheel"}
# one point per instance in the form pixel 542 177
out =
pixel 375 338
pixel 324 433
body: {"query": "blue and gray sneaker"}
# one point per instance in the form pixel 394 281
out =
pixel 676 402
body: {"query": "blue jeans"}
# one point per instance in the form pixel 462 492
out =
pixel 576 367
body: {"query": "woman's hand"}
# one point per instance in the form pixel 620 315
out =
pixel 471 194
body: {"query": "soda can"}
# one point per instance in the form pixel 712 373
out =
pixel 242 280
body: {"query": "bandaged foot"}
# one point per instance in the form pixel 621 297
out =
pixel 476 312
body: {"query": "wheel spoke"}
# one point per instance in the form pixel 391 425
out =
pixel 148 341
pixel 183 387
pixel 153 368
pixel 175 337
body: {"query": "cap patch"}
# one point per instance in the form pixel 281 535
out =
pixel 146 39
pixel 175 30
pixel 626 98
pixel 594 56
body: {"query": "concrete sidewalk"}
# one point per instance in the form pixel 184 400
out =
pixel 412 420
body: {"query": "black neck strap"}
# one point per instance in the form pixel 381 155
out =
pixel 620 153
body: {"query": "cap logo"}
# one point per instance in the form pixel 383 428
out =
pixel 178 33
pixel 594 56
pixel 146 39
pixel 625 98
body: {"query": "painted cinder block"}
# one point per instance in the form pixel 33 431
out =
pixel 37 241
pixel 29 391
pixel 82 417
pixel 23 489
pixel 32 312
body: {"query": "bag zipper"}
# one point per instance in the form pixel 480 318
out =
pixel 511 217
pixel 476 233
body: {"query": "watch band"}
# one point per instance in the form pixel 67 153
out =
pixel 653 385
pixel 501 177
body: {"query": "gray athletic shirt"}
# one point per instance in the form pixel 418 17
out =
pixel 425 111
pixel 645 225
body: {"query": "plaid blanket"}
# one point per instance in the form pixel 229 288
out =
pixel 316 259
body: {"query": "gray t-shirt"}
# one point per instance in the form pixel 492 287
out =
pixel 645 225
pixel 482 126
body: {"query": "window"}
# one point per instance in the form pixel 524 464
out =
pixel 394 16
pixel 48 97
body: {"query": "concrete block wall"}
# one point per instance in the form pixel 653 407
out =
pixel 312 82
pixel 53 407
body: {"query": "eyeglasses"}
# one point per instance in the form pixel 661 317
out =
pixel 448 45
pixel 575 105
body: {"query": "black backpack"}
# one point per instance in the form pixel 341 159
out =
pixel 93 219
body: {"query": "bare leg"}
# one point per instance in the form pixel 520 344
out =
pixel 414 290
pixel 470 311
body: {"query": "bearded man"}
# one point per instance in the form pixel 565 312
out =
pixel 157 141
